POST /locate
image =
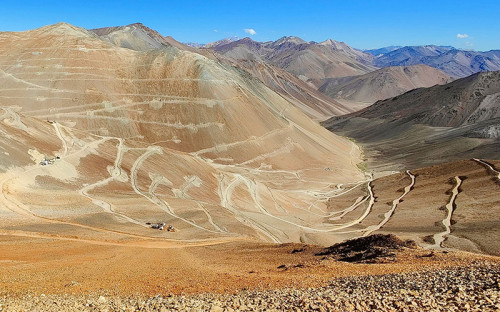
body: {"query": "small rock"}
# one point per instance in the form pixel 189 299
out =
pixel 101 300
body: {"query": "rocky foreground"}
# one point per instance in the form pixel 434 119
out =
pixel 472 288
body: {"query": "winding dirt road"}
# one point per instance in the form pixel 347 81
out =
pixel 489 167
pixel 450 206
pixel 395 203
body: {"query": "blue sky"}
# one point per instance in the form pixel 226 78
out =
pixel 361 24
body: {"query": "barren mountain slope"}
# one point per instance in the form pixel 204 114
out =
pixel 428 126
pixel 316 105
pixel 133 36
pixel 449 205
pixel 385 83
pixel 138 37
pixel 245 49
pixel 310 61
pixel 449 105
pixel 160 136
pixel 309 100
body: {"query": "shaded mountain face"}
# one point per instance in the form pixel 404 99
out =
pixel 384 83
pixel 454 62
pixel 310 61
pixel 449 105
pixel 458 63
pixel 432 125
pixel 162 135
pixel 410 55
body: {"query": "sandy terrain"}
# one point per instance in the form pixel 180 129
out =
pixel 41 266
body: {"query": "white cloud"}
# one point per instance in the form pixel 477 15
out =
pixel 462 36
pixel 250 31
pixel 215 30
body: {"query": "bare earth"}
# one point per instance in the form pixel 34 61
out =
pixel 98 141
pixel 41 273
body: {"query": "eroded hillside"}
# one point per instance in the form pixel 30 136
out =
pixel 100 140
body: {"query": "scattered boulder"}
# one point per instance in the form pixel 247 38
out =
pixel 101 300
pixel 375 248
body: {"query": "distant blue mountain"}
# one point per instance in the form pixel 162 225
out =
pixel 377 52
pixel 455 62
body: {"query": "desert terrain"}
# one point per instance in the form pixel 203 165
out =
pixel 109 134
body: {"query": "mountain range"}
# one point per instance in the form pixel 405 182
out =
pixel 310 75
pixel 221 142
pixel 310 61
pixel 454 62
pixel 133 163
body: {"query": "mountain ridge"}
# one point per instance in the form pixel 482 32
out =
pixel 429 126
pixel 455 62
pixel 306 60
pixel 318 106
pixel 385 83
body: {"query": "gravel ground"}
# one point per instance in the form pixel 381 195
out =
pixel 472 288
